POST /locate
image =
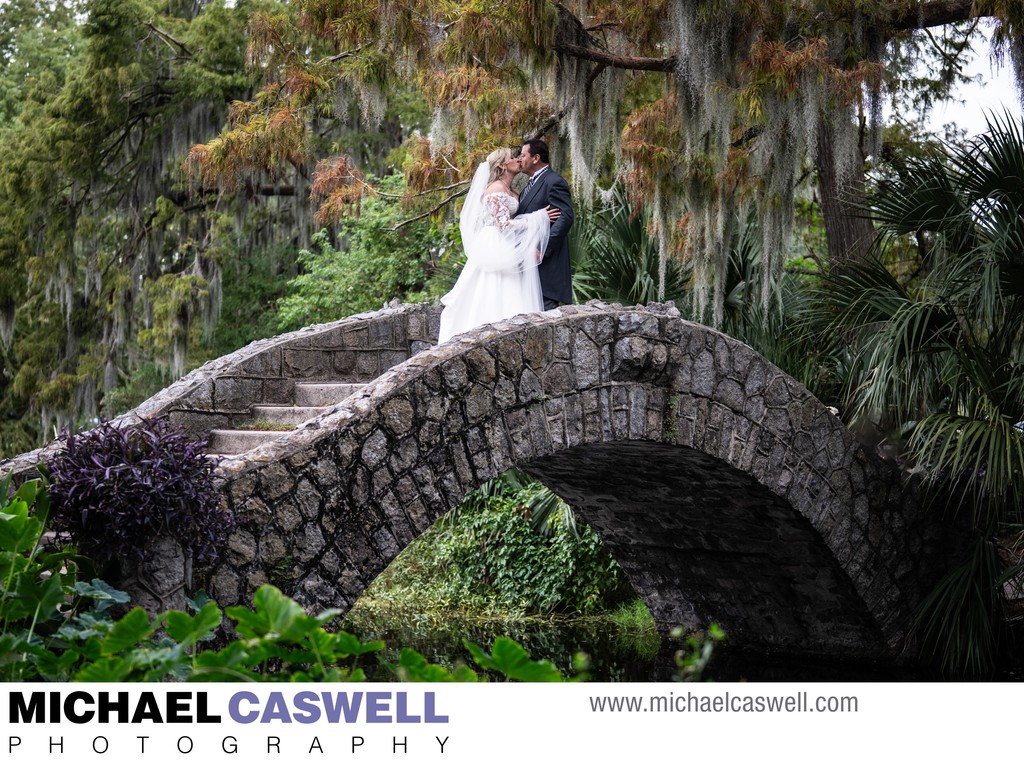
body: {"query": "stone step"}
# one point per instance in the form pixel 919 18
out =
pixel 323 394
pixel 284 415
pixel 230 442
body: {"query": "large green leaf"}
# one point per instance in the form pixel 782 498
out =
pixel 273 614
pixel 102 593
pixel 414 667
pixel 509 658
pixel 132 629
pixel 343 644
pixel 18 531
pixel 187 629
pixel 227 664
pixel 45 593
pixel 109 669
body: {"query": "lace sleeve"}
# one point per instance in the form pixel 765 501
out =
pixel 499 211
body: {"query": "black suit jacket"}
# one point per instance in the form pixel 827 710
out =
pixel 555 274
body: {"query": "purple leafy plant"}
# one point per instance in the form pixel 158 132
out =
pixel 115 489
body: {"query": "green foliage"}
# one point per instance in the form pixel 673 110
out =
pixel 412 666
pixel 489 557
pixel 548 512
pixel 144 382
pixel 379 149
pixel 370 266
pixel 636 628
pixel 35 581
pixel 936 360
pixel 174 298
pixel 277 641
pixel 509 658
pixel 253 282
pixel 106 264
pixel 616 258
pixel 780 317
pixel 941 356
pixel 503 554
pixel 38 41
pixel 18 432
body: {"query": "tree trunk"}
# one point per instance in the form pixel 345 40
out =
pixel 848 225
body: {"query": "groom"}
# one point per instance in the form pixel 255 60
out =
pixel 546 188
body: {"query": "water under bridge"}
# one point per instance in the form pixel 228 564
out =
pixel 725 490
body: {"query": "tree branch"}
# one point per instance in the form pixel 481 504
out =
pixel 919 15
pixel 428 191
pixel 339 56
pixel 168 38
pixel 432 211
pixel 633 63
pixel 922 15
pixel 750 134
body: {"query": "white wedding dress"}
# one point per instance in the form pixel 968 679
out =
pixel 500 278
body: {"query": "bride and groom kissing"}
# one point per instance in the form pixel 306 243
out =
pixel 517 246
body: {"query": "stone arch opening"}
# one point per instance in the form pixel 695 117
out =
pixel 615 651
pixel 703 542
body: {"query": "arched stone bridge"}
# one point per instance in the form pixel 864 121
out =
pixel 726 491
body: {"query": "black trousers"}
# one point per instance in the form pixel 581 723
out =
pixel 551 303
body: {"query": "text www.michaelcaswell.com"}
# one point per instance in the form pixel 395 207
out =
pixel 800 702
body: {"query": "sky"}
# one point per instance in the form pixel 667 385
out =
pixel 996 91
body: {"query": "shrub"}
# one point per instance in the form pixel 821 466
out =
pixel 487 556
pixel 114 489
pixel 499 555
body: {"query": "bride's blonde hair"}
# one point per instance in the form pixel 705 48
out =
pixel 495 160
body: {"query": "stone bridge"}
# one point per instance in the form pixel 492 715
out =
pixel 725 490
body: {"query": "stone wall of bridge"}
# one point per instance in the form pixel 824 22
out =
pixel 726 491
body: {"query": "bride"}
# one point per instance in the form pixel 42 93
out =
pixel 500 277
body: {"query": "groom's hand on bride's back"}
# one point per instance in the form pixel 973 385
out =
pixel 560 198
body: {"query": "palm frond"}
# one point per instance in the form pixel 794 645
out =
pixel 925 198
pixel 901 344
pixel 991 165
pixel 982 454
pixel 864 294
pixel 944 358
pixel 546 509
pixel 960 623
pixel 615 258
pixel 506 485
